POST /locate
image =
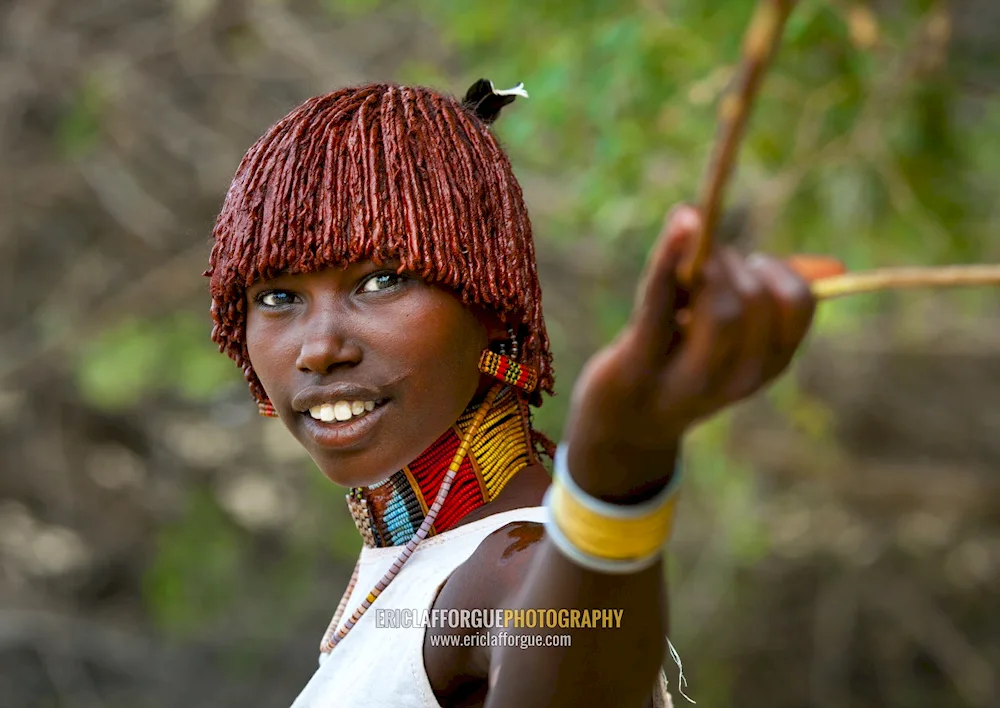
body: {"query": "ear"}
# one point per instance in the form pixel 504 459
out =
pixel 496 327
pixel 497 330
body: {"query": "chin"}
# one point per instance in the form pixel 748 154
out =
pixel 357 470
pixel 362 451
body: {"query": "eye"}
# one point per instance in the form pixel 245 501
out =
pixel 274 298
pixel 378 282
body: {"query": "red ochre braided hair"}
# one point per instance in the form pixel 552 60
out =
pixel 380 172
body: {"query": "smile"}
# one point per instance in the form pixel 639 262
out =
pixel 343 424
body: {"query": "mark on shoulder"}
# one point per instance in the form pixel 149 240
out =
pixel 498 566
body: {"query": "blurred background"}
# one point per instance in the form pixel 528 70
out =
pixel 163 546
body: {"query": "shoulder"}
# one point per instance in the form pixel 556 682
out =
pixel 502 560
pixel 495 570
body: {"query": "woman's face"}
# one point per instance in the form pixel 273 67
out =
pixel 367 368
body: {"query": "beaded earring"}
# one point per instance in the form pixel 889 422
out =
pixel 507 368
pixel 266 409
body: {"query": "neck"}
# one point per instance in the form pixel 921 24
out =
pixel 390 512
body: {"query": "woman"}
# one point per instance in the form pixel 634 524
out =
pixel 374 276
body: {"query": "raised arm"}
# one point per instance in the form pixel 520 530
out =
pixel 684 355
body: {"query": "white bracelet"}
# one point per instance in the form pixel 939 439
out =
pixel 611 566
pixel 599 506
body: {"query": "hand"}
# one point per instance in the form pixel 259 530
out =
pixel 684 355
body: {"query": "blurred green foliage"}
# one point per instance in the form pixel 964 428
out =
pixel 203 555
pixel 79 129
pixel 868 146
pixel 190 582
pixel 138 358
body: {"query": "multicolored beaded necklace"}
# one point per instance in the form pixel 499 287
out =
pixel 390 512
pixel 488 445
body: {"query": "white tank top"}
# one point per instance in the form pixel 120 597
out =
pixel 375 667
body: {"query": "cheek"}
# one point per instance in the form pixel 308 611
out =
pixel 448 340
pixel 255 349
pixel 265 356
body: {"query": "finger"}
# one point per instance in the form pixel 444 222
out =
pixel 747 373
pixel 734 334
pixel 657 293
pixel 793 314
pixel 711 341
pixel 813 268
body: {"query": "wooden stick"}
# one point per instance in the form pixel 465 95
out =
pixel 898 278
pixel 759 45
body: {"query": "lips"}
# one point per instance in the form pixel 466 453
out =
pixel 348 434
pixel 341 416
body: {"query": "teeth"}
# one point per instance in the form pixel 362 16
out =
pixel 341 410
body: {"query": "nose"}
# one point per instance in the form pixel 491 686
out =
pixel 327 345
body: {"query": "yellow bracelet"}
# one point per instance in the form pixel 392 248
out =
pixel 602 535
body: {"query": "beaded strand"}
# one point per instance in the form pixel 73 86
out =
pixel 343 601
pixel 331 639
